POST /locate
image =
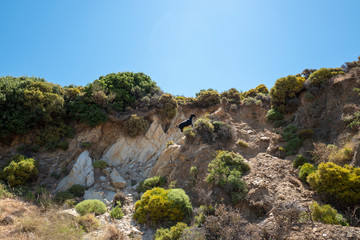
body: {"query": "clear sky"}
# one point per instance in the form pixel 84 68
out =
pixel 183 45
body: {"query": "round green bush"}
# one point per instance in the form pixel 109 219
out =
pixel 77 190
pixel 232 95
pixel 135 125
pixel 284 89
pixel 149 183
pixel 173 233
pixel 299 161
pixel 91 206
pixel 169 106
pixel 343 183
pixel 205 129
pixel 327 214
pixel 273 115
pixel 306 170
pixel 160 205
pixel 207 98
pixel 20 170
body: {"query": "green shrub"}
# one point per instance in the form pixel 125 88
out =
pixel 242 143
pixel 207 98
pixel 294 142
pixel 4 192
pixel 126 88
pixel 173 233
pixel 232 95
pixel 61 197
pixel 20 170
pixel 306 133
pixel 100 164
pixel 169 106
pixel 149 183
pixel 225 170
pixel 116 212
pixel 52 135
pixel 160 205
pixel 299 161
pixel 91 206
pixel 273 115
pixel 86 112
pixel 341 183
pixel 205 129
pixel 223 131
pixel 135 125
pixel 194 171
pixel 77 190
pixel 189 132
pixel 326 214
pixel 86 145
pixel 305 170
pixel 284 89
pixel 255 91
pixel 319 77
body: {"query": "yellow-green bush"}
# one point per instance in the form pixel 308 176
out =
pixel 274 115
pixel 204 128
pixel 242 143
pixel 326 214
pixel 319 77
pixel 160 205
pixel 284 89
pixel 232 95
pixel 169 106
pixel 91 206
pixel 53 135
pixel 299 161
pixel 207 98
pixel 342 155
pixel 306 133
pixel 343 183
pixel 253 92
pixel 20 170
pixel 4 192
pixel 135 125
pixel 172 233
pixel 189 133
pixel 305 170
pixel 100 164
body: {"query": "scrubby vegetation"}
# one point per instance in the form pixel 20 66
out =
pixel 172 233
pixel 305 170
pixel 319 77
pixel 159 205
pixel 299 161
pixel 207 98
pixel 326 214
pixel 232 95
pixel 20 170
pixel 225 170
pixel 116 212
pixel 285 88
pixel 135 125
pixel 149 183
pixel 341 183
pixel 291 136
pixel 169 106
pixel 91 206
pixel 100 164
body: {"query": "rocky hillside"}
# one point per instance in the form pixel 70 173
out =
pixel 267 131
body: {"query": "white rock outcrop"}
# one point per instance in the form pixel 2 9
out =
pixel 117 180
pixel 142 150
pixel 82 173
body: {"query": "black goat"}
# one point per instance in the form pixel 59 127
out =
pixel 186 122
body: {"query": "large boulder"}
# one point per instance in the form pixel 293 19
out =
pixel 117 180
pixel 82 173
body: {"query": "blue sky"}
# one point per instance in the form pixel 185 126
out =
pixel 183 45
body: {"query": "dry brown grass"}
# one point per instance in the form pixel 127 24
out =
pixel 32 222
